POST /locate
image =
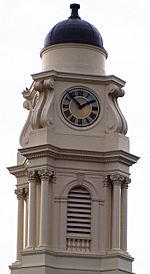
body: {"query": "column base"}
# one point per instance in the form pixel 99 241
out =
pixel 30 248
pixel 41 246
pixel 118 250
pixel 115 250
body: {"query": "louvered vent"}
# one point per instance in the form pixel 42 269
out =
pixel 79 212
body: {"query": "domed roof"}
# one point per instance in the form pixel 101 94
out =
pixel 74 30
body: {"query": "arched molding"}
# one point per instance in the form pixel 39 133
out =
pixel 74 183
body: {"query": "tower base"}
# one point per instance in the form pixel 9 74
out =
pixel 44 261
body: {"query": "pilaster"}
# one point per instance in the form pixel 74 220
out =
pixel 26 191
pixel 32 177
pixel 21 192
pixel 46 176
pixel 116 211
pixel 124 213
pixel 119 186
pixel 20 223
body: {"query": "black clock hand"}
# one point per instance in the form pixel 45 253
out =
pixel 87 103
pixel 74 99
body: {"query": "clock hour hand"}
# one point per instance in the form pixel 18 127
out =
pixel 74 99
pixel 87 103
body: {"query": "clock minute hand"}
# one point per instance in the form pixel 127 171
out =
pixel 87 103
pixel 73 98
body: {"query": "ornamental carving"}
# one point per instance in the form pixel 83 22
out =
pixel 80 177
pixel 32 176
pixel 26 192
pixel 19 192
pixel 44 84
pixel 41 115
pixel 115 119
pixel 39 103
pixel 47 174
pixel 126 182
pixel 22 193
pixel 109 180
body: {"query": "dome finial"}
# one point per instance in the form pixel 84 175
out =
pixel 74 13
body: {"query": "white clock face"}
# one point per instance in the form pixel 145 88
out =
pixel 80 107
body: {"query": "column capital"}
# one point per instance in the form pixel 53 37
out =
pixel 47 174
pixel 126 182
pixel 107 181
pixel 116 179
pixel 32 175
pixel 26 192
pixel 20 193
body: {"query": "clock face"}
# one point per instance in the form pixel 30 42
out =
pixel 80 107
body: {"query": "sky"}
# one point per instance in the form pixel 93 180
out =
pixel 124 26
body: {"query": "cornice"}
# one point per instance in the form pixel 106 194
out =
pixel 63 254
pixel 19 170
pixel 79 155
pixel 87 78
pixel 72 45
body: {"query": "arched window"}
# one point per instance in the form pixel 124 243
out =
pixel 78 219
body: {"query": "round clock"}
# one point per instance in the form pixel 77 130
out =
pixel 80 107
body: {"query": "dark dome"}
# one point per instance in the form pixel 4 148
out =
pixel 74 30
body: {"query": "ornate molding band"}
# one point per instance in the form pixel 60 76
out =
pixel 44 84
pixel 71 154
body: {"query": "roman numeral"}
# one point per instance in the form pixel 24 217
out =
pixel 72 119
pixel 80 92
pixel 67 113
pixel 87 120
pixel 79 121
pixel 87 95
pixel 73 94
pixel 92 115
pixel 68 99
pixel 94 108
pixel 65 106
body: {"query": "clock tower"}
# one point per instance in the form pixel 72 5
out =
pixel 73 165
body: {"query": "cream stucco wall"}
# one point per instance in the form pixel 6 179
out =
pixel 74 58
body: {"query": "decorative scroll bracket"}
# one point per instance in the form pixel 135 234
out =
pixel 39 103
pixel 115 119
